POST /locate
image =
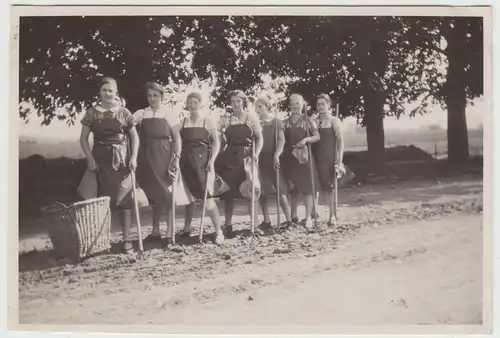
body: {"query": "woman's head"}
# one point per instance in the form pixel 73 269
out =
pixel 263 105
pixel 193 102
pixel 323 103
pixel 238 100
pixel 108 90
pixel 154 93
pixel 297 104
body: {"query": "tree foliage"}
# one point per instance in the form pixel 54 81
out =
pixel 371 66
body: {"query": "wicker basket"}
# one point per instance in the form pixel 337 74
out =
pixel 81 229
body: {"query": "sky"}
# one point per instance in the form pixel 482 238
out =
pixel 61 131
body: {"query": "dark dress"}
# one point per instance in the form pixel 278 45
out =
pixel 324 152
pixel 298 175
pixel 196 152
pixel 229 164
pixel 266 159
pixel 154 159
pixel 110 151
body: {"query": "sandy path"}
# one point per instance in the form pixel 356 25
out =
pixel 413 260
pixel 422 273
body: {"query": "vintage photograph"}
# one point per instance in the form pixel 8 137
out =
pixel 295 166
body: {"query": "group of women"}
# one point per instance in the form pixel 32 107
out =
pixel 168 153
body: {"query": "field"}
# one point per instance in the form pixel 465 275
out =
pixel 428 140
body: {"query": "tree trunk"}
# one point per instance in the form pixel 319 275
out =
pixel 374 122
pixel 456 100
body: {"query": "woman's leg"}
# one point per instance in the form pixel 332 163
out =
pixel 285 206
pixel 156 211
pixel 294 205
pixel 228 210
pixel 188 217
pixel 265 208
pixel 256 210
pixel 213 213
pixel 309 203
pixel 331 204
pixel 125 217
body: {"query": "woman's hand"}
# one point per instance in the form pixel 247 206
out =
pixel 276 161
pixel 174 168
pixel 92 165
pixel 302 143
pixel 133 162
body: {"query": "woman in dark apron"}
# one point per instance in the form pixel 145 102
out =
pixel 110 124
pixel 239 131
pixel 329 151
pixel 159 155
pixel 200 147
pixel 298 174
pixel 269 161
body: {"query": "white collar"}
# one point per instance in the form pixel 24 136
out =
pixel 102 110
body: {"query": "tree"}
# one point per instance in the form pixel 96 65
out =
pixel 62 65
pixel 367 64
pixel 459 42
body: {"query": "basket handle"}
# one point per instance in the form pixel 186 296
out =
pixel 59 204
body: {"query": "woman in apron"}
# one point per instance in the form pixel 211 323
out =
pixel 240 129
pixel 328 152
pixel 110 157
pixel 158 160
pixel 298 174
pixel 200 147
pixel 269 161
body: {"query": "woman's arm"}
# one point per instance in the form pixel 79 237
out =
pixel 176 136
pixel 281 143
pixel 339 138
pixel 314 137
pixel 313 129
pixel 84 143
pixel 257 131
pixel 134 145
pixel 259 142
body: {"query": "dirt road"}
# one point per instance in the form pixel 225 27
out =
pixel 404 254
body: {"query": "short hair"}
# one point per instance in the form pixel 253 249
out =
pixel 107 80
pixel 304 103
pixel 266 100
pixel 195 95
pixel 240 94
pixel 325 97
pixel 155 86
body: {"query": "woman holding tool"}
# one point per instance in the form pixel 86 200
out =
pixel 110 157
pixel 269 162
pixel 328 152
pixel 201 146
pixel 300 172
pixel 242 132
pixel 158 161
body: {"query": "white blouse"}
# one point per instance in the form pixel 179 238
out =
pixel 148 113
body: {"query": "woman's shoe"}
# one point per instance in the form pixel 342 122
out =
pixel 128 247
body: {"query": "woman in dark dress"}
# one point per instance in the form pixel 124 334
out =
pixel 298 174
pixel 240 130
pixel 158 159
pixel 110 157
pixel 269 161
pixel 200 148
pixel 329 151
